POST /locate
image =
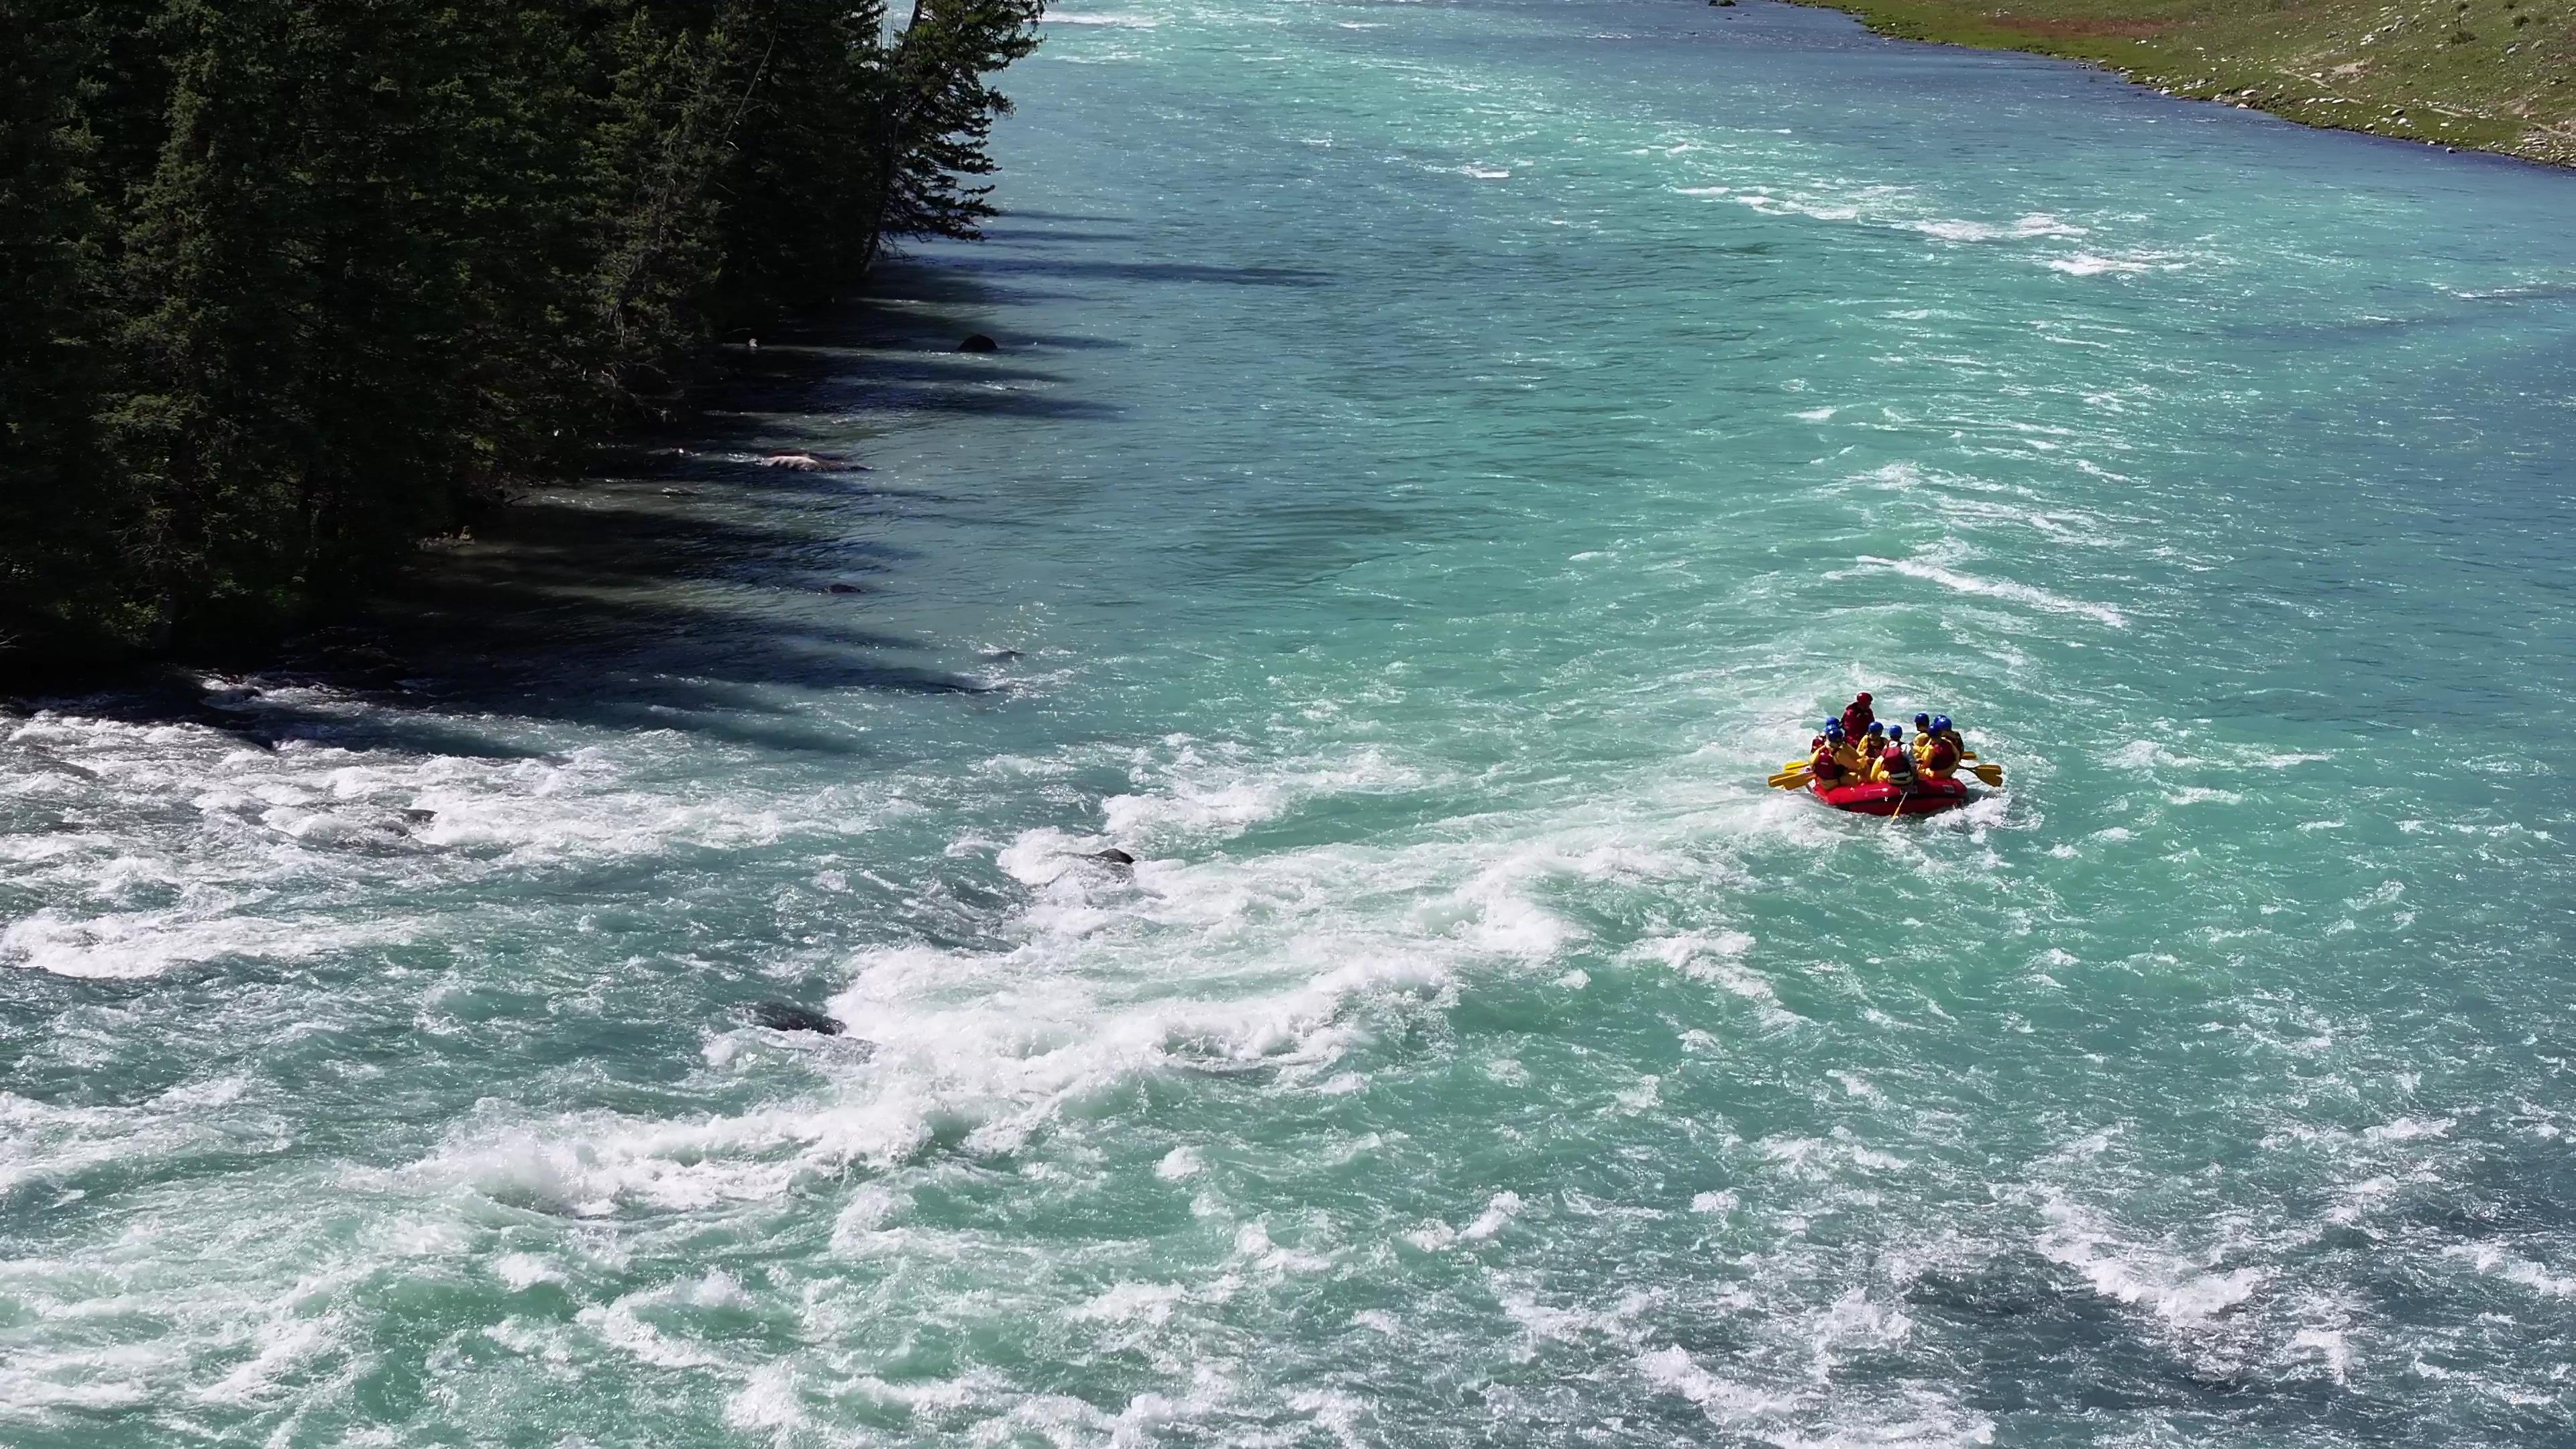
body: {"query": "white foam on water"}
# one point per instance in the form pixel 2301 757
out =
pixel 770 1401
pixel 2490 1259
pixel 46 1140
pixel 2182 1293
pixel 143 944
pixel 2004 589
pixel 1151 1303
pixel 1498 1213
pixel 222 852
pixel 1196 791
pixel 2033 224
pixel 599 1166
pixel 522 1271
pixel 1674 1371
pixel 1195 963
pixel 2089 264
pixel 1790 1418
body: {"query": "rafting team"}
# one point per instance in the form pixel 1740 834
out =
pixel 1857 748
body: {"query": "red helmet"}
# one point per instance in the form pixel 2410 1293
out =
pixel 1861 698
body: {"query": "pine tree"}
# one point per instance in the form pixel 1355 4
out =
pixel 57 506
pixel 936 113
pixel 292 284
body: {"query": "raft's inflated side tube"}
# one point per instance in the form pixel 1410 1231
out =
pixel 1925 797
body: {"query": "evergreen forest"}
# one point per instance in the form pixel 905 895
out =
pixel 287 286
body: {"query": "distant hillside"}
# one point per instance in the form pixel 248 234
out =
pixel 2497 75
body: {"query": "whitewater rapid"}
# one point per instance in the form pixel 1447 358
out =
pixel 1439 459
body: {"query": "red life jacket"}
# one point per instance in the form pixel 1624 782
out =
pixel 1900 765
pixel 1857 718
pixel 1943 756
pixel 1825 767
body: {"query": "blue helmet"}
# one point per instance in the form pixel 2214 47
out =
pixel 1833 724
pixel 1940 724
pixel 1896 732
pixel 1922 720
pixel 1877 728
pixel 1833 731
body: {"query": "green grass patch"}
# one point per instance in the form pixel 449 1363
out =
pixel 2494 75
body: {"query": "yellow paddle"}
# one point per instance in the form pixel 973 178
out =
pixel 1799 778
pixel 1991 774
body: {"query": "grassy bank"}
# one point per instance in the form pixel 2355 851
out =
pixel 2496 75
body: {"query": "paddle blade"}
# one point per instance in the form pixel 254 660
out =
pixel 1789 779
pixel 1991 774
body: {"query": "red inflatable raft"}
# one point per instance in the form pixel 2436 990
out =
pixel 1924 797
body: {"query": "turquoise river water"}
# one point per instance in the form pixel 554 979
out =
pixel 1439 459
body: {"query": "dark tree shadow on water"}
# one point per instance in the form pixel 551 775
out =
pixel 1161 272
pixel 1053 235
pixel 606 603
pixel 1076 217
pixel 681 584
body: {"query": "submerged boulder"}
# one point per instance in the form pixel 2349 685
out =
pixel 779 1016
pixel 978 342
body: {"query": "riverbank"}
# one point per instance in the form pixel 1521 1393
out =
pixel 2489 75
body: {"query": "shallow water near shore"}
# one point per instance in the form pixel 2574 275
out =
pixel 1439 459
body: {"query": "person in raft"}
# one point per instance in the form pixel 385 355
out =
pixel 1937 750
pixel 1847 752
pixel 1858 717
pixel 1829 762
pixel 1895 763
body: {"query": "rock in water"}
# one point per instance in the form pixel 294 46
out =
pixel 801 462
pixel 1113 855
pixel 779 1016
pixel 843 589
pixel 978 342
